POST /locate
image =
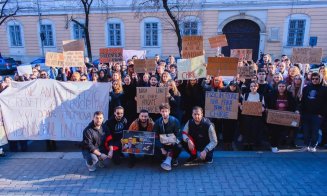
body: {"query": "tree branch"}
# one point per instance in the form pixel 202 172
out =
pixel 3 15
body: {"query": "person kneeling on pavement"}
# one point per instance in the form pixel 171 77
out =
pixel 167 129
pixel 93 137
pixel 199 135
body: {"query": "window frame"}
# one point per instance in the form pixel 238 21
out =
pixel 21 33
pixel 151 20
pixel 306 30
pixel 122 32
pixel 53 29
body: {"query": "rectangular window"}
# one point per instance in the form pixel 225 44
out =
pixel 296 31
pixel 15 36
pixel 78 32
pixel 190 28
pixel 114 34
pixel 151 34
pixel 47 35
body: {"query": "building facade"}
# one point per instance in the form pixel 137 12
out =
pixel 266 26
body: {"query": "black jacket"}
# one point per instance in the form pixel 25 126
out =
pixel 312 100
pixel 92 138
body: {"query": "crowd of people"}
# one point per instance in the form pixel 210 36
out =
pixel 278 84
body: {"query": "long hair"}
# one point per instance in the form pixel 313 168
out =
pixel 174 88
pixel 119 88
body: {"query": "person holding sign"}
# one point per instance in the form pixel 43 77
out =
pixel 252 125
pixel 142 123
pixel 91 145
pixel 167 129
pixel 281 100
pixel 199 135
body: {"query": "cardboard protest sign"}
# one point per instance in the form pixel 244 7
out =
pixel 192 46
pixel 284 118
pixel 252 108
pixel 242 54
pixel 307 55
pixel 73 45
pixel 150 98
pixel 128 54
pixel 3 136
pixel 144 65
pixel 54 59
pixel 246 72
pixel 189 69
pixel 108 55
pixel 24 69
pixel 222 66
pixel 218 41
pixel 74 59
pixel 221 105
pixel 138 142
pixel 50 109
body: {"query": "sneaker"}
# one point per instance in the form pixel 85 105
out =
pixel 274 149
pixel 91 168
pixel 314 149
pixel 209 161
pixel 304 149
pixel 166 165
pixel 174 162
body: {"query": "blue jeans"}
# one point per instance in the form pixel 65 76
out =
pixel 89 157
pixel 311 126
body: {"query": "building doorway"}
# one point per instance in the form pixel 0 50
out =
pixel 242 34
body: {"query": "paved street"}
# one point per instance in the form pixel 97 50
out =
pixel 232 173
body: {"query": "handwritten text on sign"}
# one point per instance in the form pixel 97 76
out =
pixel 74 59
pixel 189 69
pixel 221 105
pixel 307 55
pixel 285 118
pixel 108 55
pixel 242 54
pixel 49 109
pixel 54 59
pixel 192 46
pixel 150 98
pixel 144 65
pixel 218 41
pixel 222 66
pixel 252 108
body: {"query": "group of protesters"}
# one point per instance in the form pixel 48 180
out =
pixel 278 84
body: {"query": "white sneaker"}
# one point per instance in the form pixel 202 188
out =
pixel 312 149
pixel 304 149
pixel 166 165
pixel 91 168
pixel 274 149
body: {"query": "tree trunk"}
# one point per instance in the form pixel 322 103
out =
pixel 176 24
pixel 87 37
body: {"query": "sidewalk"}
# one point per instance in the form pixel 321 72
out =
pixel 232 173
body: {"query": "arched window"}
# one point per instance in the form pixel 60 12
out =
pixel 297 30
pixel 115 33
pixel 191 25
pixel 151 32
pixel 15 33
pixel 47 33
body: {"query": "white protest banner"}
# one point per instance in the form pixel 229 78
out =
pixel 3 137
pixel 193 68
pixel 128 54
pixel 24 69
pixel 51 110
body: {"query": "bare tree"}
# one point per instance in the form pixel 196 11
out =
pixel 6 11
pixel 175 13
pixel 87 8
